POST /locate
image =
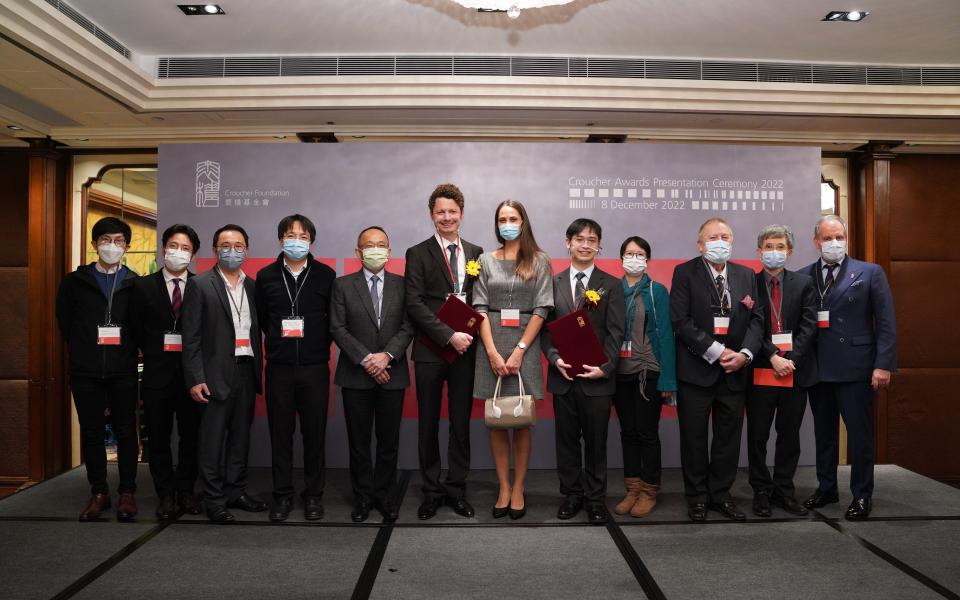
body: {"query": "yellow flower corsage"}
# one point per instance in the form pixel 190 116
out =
pixel 473 268
pixel 591 298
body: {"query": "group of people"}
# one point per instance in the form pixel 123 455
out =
pixel 724 340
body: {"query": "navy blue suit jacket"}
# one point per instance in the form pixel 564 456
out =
pixel 863 330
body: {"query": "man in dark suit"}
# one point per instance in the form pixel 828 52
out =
pixel 719 327
pixel 435 269
pixel 369 323
pixel 293 305
pixel 156 318
pixel 856 352
pixel 581 404
pixel 788 302
pixel 221 365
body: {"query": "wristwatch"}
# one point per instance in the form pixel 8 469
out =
pixel 521 345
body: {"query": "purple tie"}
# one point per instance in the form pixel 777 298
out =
pixel 176 299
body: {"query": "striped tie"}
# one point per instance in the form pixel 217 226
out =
pixel 176 299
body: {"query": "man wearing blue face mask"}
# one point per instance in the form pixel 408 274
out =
pixel 221 366
pixel 293 304
pixel 719 329
pixel 784 369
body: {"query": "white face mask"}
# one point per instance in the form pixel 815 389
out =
pixel 635 265
pixel 110 253
pixel 833 251
pixel 717 251
pixel 176 260
pixel 774 259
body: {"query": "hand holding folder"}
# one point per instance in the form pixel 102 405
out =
pixel 460 317
pixel 576 342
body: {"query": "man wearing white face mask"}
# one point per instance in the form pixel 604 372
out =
pixel 719 327
pixel 155 318
pixel 293 304
pixel 856 351
pixel 93 314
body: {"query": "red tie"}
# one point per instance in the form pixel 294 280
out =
pixel 176 299
pixel 776 304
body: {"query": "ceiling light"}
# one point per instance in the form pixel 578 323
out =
pixel 851 16
pixel 211 9
pixel 280 137
pixel 511 7
pixel 14 127
pixel 201 9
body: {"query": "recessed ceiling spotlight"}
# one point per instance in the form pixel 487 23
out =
pixel 358 137
pixel 157 119
pixel 201 9
pixel 280 137
pixel 83 139
pixel 850 16
pixel 14 127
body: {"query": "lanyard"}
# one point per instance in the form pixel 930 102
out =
pixel 776 312
pixel 713 284
pixel 297 284
pixel 823 293
pixel 446 261
pixel 233 301
pixel 113 288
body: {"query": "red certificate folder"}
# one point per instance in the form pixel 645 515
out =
pixel 769 377
pixel 459 316
pixel 576 341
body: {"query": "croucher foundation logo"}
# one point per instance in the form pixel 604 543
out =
pixel 208 184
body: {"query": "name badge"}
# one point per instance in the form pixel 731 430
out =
pixel 510 317
pixel 172 342
pixel 721 325
pixel 108 335
pixel 783 341
pixel 291 327
pixel 823 319
pixel 626 349
pixel 242 341
pixel 462 296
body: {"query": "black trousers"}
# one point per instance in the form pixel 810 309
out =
pixel 708 475
pixel 294 390
pixel 380 411
pixel 582 472
pixel 92 397
pixel 853 401
pixel 225 440
pixel 639 426
pixel 160 407
pixel 430 377
pixel 767 405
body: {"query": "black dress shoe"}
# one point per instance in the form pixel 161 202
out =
pixel 167 510
pixel 517 513
pixel 428 509
pixel 858 510
pixel 360 512
pixel 220 515
pixel 387 509
pixel 570 507
pixel 499 513
pixel 761 504
pixel 820 499
pixel 247 503
pixel 789 504
pixel 189 503
pixel 697 512
pixel 728 509
pixel 460 506
pixel 596 514
pixel 281 510
pixel 312 508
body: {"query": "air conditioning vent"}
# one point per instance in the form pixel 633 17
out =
pixel 616 67
pixel 839 74
pixel 424 65
pixel 940 75
pixel 308 66
pixel 673 69
pixel 78 18
pixel 729 71
pixel 893 75
pixel 365 65
pixel 784 73
pixel 537 66
pixel 497 66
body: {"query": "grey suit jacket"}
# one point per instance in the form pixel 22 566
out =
pixel 353 324
pixel 209 337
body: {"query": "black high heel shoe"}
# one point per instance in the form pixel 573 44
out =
pixel 500 512
pixel 517 513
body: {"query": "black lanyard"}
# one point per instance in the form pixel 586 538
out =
pixel 243 295
pixel 298 285
pixel 113 289
pixel 818 276
pixel 713 285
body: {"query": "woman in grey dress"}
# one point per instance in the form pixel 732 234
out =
pixel 516 277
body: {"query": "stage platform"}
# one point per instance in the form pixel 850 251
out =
pixel 909 548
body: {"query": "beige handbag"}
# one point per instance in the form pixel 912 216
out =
pixel 509 412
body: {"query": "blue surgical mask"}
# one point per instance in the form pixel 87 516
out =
pixel 833 251
pixel 231 259
pixel 295 249
pixel 718 251
pixel 773 259
pixel 510 231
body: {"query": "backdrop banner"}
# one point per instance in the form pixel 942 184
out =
pixel 661 192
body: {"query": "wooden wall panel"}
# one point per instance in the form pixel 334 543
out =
pixel 924 206
pixel 13 208
pixel 923 415
pixel 14 429
pixel 925 298
pixel 13 317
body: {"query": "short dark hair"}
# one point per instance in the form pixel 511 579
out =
pixel 366 229
pixel 580 224
pixel 230 227
pixel 636 239
pixel 286 224
pixel 108 225
pixel 186 230
pixel 446 190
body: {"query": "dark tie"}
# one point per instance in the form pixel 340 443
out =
pixel 580 290
pixel 453 267
pixel 722 294
pixel 176 299
pixel 776 306
pixel 828 280
pixel 375 297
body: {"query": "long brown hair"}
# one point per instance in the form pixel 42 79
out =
pixel 529 252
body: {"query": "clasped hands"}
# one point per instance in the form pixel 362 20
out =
pixel 376 366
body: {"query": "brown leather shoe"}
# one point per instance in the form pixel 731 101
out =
pixel 126 507
pixel 646 500
pixel 633 490
pixel 98 503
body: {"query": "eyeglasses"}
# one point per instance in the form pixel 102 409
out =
pixel 228 247
pixel 106 239
pixel 627 255
pixel 585 241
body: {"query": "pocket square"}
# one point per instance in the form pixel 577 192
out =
pixel 747 301
pixel 856 283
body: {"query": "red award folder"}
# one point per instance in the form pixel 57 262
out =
pixel 459 316
pixel 576 341
pixel 769 377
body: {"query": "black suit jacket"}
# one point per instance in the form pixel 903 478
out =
pixel 799 316
pixel 152 317
pixel 209 337
pixel 608 320
pixel 692 296
pixel 428 283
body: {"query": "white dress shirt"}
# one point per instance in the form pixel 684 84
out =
pixel 168 278
pixel 716 348
pixel 461 258
pixel 241 322
pixel 824 271
pixel 573 280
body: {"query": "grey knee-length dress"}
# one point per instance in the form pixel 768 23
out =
pixel 498 287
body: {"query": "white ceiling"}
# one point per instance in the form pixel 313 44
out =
pixel 896 32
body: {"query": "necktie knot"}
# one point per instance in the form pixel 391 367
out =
pixel 452 248
pixel 719 280
pixel 775 282
pixel 580 276
pixel 374 278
